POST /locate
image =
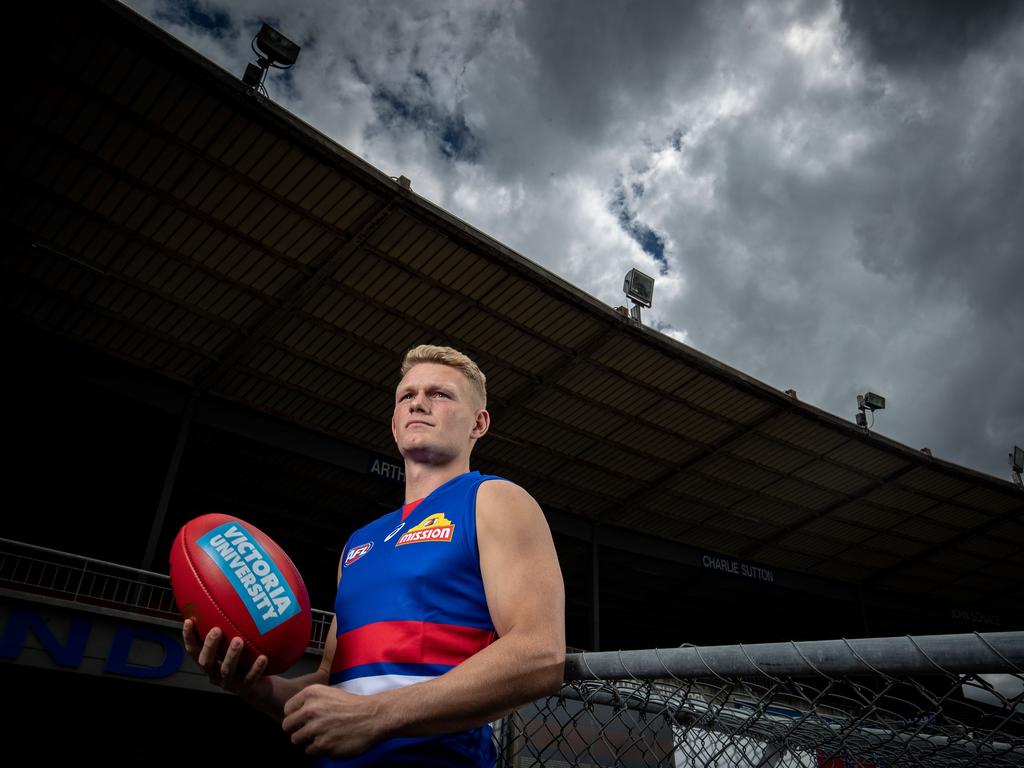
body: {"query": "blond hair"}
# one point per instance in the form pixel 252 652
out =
pixel 428 353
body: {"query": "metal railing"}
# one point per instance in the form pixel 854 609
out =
pixel 949 700
pixel 50 572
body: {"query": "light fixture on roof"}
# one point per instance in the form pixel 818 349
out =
pixel 639 288
pixel 1017 464
pixel 869 401
pixel 275 50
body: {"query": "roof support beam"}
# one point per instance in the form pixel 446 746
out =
pixel 1015 514
pixel 656 486
pixel 292 297
pixel 825 511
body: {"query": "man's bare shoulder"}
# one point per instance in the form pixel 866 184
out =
pixel 502 502
pixel 500 492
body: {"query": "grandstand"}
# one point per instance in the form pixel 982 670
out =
pixel 205 302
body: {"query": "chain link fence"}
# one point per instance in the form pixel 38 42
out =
pixel 943 700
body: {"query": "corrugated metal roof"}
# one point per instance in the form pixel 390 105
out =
pixel 159 212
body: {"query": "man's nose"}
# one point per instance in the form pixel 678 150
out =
pixel 418 402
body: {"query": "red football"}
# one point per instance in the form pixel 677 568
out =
pixel 227 573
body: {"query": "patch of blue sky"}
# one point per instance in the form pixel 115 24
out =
pixel 458 142
pixel 677 139
pixel 193 13
pixel 455 139
pixel 650 241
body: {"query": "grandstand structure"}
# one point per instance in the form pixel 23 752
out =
pixel 205 302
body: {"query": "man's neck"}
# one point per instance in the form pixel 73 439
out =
pixel 422 479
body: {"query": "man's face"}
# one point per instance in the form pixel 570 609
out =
pixel 436 416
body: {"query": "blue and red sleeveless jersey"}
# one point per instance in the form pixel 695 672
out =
pixel 410 607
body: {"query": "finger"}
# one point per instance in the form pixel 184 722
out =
pixel 294 704
pixel 230 663
pixel 303 735
pixel 188 635
pixel 193 642
pixel 256 670
pixel 291 722
pixel 208 654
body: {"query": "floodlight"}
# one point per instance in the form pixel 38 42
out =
pixel 277 48
pixel 639 287
pixel 1017 459
pixel 874 402
pixel 869 401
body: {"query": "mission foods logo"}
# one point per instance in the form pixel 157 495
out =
pixel 435 528
pixel 254 576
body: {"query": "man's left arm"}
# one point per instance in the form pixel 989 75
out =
pixel 526 599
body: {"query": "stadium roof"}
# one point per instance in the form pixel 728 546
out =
pixel 158 211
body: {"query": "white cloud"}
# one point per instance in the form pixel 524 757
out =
pixel 831 215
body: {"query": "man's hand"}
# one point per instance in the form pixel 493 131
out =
pixel 222 672
pixel 330 721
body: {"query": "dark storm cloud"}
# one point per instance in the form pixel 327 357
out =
pixel 929 208
pixel 829 192
pixel 925 33
pixel 861 229
pixel 943 210
pixel 947 207
pixel 598 62
pixel 947 218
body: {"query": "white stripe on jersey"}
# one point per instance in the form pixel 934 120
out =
pixel 366 686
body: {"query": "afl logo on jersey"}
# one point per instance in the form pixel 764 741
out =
pixel 434 528
pixel 356 552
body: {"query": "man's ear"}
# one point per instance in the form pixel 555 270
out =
pixel 482 424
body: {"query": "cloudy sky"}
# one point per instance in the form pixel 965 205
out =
pixel 829 194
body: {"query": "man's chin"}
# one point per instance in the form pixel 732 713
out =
pixel 426 455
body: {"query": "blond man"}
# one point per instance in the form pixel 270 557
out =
pixel 449 612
